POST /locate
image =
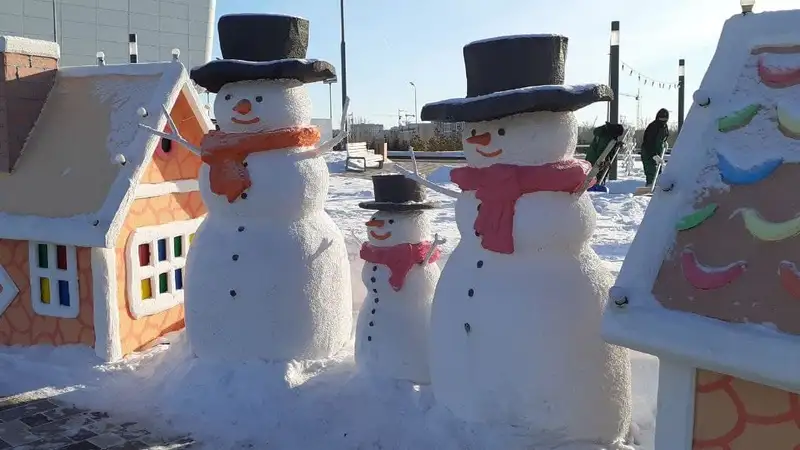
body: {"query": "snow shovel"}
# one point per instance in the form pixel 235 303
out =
pixel 601 164
pixel 660 163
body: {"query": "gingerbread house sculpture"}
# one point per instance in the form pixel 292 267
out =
pixel 711 282
pixel 96 213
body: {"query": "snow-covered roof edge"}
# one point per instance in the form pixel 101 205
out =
pixel 102 228
pixel 122 193
pixel 31 47
pixel 743 350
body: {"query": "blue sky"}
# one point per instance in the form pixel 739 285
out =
pixel 390 43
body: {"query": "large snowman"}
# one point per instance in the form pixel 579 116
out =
pixel 267 275
pixel 515 321
pixel 400 274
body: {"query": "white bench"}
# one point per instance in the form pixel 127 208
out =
pixel 359 151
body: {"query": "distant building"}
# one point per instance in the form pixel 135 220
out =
pixel 84 27
pixel 446 128
pixel 365 132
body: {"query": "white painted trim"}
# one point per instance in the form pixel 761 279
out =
pixel 9 292
pixel 54 308
pixel 150 190
pixel 151 235
pixel 675 416
pixel 199 110
pixel 674 334
pixel 29 47
pixel 107 336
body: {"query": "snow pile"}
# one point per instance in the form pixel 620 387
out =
pixel 305 405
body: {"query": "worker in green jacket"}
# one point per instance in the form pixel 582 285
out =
pixel 654 142
pixel 602 136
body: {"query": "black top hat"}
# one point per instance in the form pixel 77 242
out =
pixel 512 75
pixel 397 193
pixel 261 47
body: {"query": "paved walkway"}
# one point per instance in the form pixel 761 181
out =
pixel 30 422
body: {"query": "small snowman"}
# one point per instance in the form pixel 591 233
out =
pixel 400 275
pixel 515 321
pixel 267 275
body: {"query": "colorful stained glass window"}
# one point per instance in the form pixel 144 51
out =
pixel 44 290
pixel 144 254
pixel 163 283
pixel 162 249
pixel 42 256
pixel 178 279
pixel 177 246
pixel 63 293
pixel 61 257
pixel 147 289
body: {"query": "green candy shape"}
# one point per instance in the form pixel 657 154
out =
pixel 739 118
pixel 696 218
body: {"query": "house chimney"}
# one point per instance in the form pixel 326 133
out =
pixel 29 71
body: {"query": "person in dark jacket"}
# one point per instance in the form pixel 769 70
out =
pixel 654 142
pixel 602 136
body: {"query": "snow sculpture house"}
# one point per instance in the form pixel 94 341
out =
pixel 711 283
pixel 96 214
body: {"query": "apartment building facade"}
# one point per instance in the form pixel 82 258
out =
pixel 85 27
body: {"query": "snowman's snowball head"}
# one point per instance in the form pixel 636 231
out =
pixel 262 105
pixel 385 229
pixel 527 139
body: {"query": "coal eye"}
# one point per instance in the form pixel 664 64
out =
pixel 228 97
pixel 391 221
pixel 474 132
pixel 501 131
pixel 259 98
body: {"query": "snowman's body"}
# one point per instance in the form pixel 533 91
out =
pixel 393 325
pixel 515 338
pixel 267 274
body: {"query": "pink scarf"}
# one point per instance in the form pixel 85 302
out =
pixel 498 187
pixel 399 259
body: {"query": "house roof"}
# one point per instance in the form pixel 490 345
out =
pixel 707 326
pixel 69 186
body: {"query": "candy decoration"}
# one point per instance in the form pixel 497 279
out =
pixel 697 217
pixel 778 79
pixel 790 278
pixel 765 230
pixel 779 49
pixel 789 122
pixel 738 119
pixel 734 175
pixel 706 278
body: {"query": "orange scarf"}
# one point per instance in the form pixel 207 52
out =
pixel 225 154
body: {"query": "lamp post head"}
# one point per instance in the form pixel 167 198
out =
pixel 330 80
pixel 176 54
pixel 747 6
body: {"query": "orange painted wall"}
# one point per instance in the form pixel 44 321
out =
pixel 179 163
pixel 20 325
pixel 138 334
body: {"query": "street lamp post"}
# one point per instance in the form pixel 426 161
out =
pixel 344 71
pixel 681 91
pixel 330 82
pixel 613 81
pixel 416 117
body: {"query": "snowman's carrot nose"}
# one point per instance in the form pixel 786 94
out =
pixel 480 139
pixel 375 223
pixel 243 106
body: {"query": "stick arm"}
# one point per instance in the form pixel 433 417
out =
pixel 173 136
pixel 437 241
pixel 328 145
pixel 421 180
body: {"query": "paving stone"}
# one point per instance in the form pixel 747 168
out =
pixel 4 445
pixel 26 409
pixel 106 440
pixel 83 434
pixel 131 431
pixel 35 420
pixel 83 445
pixel 16 433
pixel 48 443
pixel 69 427
pixel 132 445
pixel 63 411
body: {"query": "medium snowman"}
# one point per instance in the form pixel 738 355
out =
pixel 400 275
pixel 267 274
pixel 515 322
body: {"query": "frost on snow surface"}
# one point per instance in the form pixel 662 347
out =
pixel 309 405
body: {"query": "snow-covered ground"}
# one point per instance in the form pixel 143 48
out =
pixel 311 405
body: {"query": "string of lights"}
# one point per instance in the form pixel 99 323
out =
pixel 645 80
